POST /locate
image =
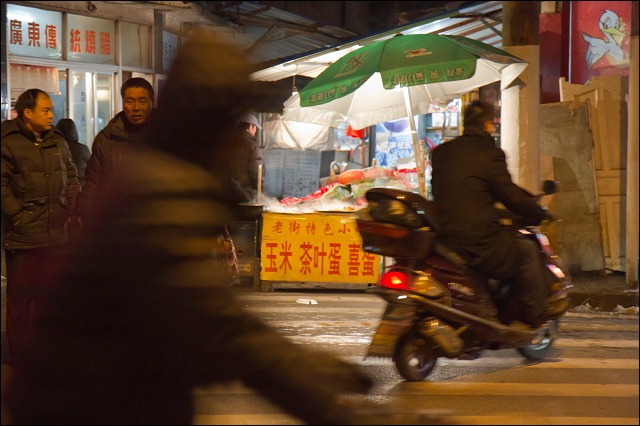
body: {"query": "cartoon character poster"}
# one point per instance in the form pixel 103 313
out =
pixel 600 39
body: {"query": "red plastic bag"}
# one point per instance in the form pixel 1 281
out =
pixel 359 134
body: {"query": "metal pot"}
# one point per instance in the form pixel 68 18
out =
pixel 249 211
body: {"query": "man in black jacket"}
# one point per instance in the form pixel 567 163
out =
pixel 39 190
pixel 239 160
pixel 128 130
pixel 469 176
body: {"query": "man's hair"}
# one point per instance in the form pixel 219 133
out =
pixel 137 82
pixel 28 100
pixel 477 113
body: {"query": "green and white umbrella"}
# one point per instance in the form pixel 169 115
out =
pixel 399 77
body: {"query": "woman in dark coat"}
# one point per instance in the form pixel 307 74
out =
pixel 141 314
pixel 79 151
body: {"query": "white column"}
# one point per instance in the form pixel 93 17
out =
pixel 520 120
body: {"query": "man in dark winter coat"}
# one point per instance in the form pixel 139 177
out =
pixel 127 130
pixel 79 151
pixel 141 314
pixel 469 176
pixel 39 190
pixel 240 159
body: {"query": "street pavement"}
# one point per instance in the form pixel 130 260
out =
pixel 608 293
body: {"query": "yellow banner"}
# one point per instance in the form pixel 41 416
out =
pixel 318 247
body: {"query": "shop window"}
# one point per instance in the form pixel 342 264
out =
pixel 25 77
pixel 59 99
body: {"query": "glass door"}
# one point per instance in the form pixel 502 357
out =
pixel 91 103
pixel 104 100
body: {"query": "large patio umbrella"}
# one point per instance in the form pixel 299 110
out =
pixel 399 77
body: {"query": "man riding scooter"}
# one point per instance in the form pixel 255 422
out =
pixel 469 176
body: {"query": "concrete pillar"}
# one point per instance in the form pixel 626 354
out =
pixel 520 119
pixel 631 234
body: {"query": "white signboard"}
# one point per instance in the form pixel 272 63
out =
pixel 169 49
pixel 34 32
pixel 91 40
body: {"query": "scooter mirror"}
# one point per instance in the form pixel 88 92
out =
pixel 549 187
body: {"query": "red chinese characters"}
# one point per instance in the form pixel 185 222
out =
pixel 315 248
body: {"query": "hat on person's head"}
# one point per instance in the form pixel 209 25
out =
pixel 249 118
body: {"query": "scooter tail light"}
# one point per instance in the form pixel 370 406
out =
pixel 395 280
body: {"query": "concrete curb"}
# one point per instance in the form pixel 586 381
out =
pixel 603 293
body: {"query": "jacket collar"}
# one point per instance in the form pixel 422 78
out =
pixel 17 126
pixel 116 126
pixel 478 131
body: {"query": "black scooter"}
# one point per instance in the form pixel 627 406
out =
pixel 437 306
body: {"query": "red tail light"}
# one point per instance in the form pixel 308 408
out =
pixel 395 280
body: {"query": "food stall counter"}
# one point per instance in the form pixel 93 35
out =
pixel 316 247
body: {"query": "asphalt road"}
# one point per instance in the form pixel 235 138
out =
pixel 591 376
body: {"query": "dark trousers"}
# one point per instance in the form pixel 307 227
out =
pixel 533 285
pixel 29 273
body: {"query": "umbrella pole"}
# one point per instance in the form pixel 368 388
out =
pixel 418 148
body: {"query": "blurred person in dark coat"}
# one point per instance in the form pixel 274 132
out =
pixel 469 176
pixel 79 151
pixel 239 160
pixel 39 190
pixel 125 132
pixel 141 314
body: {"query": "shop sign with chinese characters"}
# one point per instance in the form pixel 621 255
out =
pixel 38 33
pixel 34 32
pixel 315 247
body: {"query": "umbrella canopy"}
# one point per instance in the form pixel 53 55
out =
pixel 364 85
pixel 399 77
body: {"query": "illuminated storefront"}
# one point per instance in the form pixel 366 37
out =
pixel 81 61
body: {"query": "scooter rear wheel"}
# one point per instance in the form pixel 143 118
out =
pixel 541 345
pixel 413 357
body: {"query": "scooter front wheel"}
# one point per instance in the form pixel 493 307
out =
pixel 541 344
pixel 413 357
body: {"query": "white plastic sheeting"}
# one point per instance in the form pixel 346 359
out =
pixel 281 133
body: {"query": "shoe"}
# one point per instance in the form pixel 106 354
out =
pixel 519 325
pixel 555 309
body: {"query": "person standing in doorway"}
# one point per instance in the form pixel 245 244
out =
pixel 79 151
pixel 238 165
pixel 39 190
pixel 128 130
